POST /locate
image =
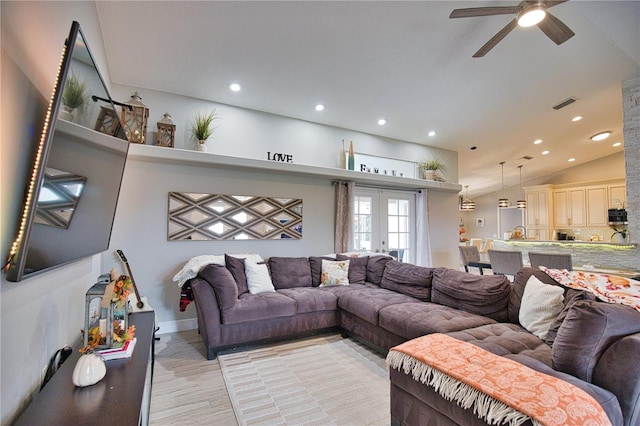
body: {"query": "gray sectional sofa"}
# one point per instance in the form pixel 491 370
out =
pixel 592 344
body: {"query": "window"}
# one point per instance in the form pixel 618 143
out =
pixel 384 221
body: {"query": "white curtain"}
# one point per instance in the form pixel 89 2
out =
pixel 343 236
pixel 423 247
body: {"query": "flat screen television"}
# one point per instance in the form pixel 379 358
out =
pixel 71 199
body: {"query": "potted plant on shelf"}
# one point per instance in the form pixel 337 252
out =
pixel 619 235
pixel 433 169
pixel 202 128
pixel 74 96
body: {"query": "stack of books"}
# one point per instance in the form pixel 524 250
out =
pixel 118 353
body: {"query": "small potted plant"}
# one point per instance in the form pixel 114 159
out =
pixel 433 169
pixel 202 128
pixel 619 235
pixel 74 96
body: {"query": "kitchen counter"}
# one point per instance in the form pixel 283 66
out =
pixel 603 255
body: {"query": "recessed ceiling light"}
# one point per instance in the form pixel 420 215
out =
pixel 319 107
pixel 571 160
pixel 537 142
pixel 601 136
pixel 235 86
pixel 382 121
pixel 576 118
pixel 431 133
pixel 545 152
pixel 617 144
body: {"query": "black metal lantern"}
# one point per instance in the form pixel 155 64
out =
pixel 102 316
pixel 166 131
pixel 134 119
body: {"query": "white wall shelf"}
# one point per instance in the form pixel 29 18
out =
pixel 195 158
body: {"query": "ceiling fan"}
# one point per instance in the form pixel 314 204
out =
pixel 528 13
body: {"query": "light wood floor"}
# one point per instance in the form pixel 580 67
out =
pixel 188 389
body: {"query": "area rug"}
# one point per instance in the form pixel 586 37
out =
pixel 327 380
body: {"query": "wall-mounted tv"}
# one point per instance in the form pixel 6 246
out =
pixel 71 199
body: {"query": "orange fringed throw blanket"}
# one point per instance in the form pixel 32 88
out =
pixel 498 389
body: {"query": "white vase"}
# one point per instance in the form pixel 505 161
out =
pixel 618 238
pixel 66 113
pixel 202 146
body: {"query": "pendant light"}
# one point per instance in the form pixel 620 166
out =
pixel 503 202
pixel 467 204
pixel 521 204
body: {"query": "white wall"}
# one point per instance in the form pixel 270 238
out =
pixel 43 313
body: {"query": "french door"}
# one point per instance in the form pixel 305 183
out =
pixel 384 222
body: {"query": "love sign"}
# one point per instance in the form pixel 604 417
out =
pixel 283 158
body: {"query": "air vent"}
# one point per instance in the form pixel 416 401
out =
pixel 564 103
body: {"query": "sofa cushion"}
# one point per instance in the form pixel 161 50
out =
pixel 224 286
pixel 405 278
pixel 309 299
pixel 290 272
pixel 366 303
pixel 334 272
pixel 504 339
pixel 541 304
pixel 258 278
pixel 411 320
pixel 357 268
pixel 486 295
pixel 315 263
pixel 589 328
pixel 375 268
pixel 571 296
pixel 235 265
pixel 253 307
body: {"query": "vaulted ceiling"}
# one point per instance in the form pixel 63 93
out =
pixel 404 61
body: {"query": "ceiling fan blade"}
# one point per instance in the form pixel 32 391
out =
pixel 552 3
pixel 555 29
pixel 484 11
pixel 496 39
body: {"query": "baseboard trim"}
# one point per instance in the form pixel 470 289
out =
pixel 178 325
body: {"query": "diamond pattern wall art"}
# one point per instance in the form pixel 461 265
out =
pixel 205 217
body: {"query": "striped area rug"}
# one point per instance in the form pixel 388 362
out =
pixel 327 380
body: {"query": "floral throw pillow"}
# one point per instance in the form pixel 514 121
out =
pixel 334 273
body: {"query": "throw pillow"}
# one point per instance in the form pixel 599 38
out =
pixel 334 273
pixel 357 268
pixel 315 262
pixel 258 279
pixel 235 265
pixel 224 286
pixel 541 304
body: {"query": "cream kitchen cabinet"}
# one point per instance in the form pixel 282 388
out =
pixel 597 205
pixel 539 212
pixel 617 196
pixel 569 207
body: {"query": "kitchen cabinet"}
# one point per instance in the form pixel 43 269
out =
pixel 539 217
pixel 617 196
pixel 569 207
pixel 597 205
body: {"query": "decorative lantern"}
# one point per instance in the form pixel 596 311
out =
pixel 166 131
pixel 102 317
pixel 134 119
pixel 107 121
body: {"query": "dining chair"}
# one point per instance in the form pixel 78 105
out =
pixel 551 260
pixel 471 258
pixel 505 262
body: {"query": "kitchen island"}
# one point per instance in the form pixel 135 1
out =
pixel 607 257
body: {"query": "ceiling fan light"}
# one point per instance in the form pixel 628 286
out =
pixel 531 16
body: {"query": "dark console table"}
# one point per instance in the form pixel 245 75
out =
pixel 122 397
